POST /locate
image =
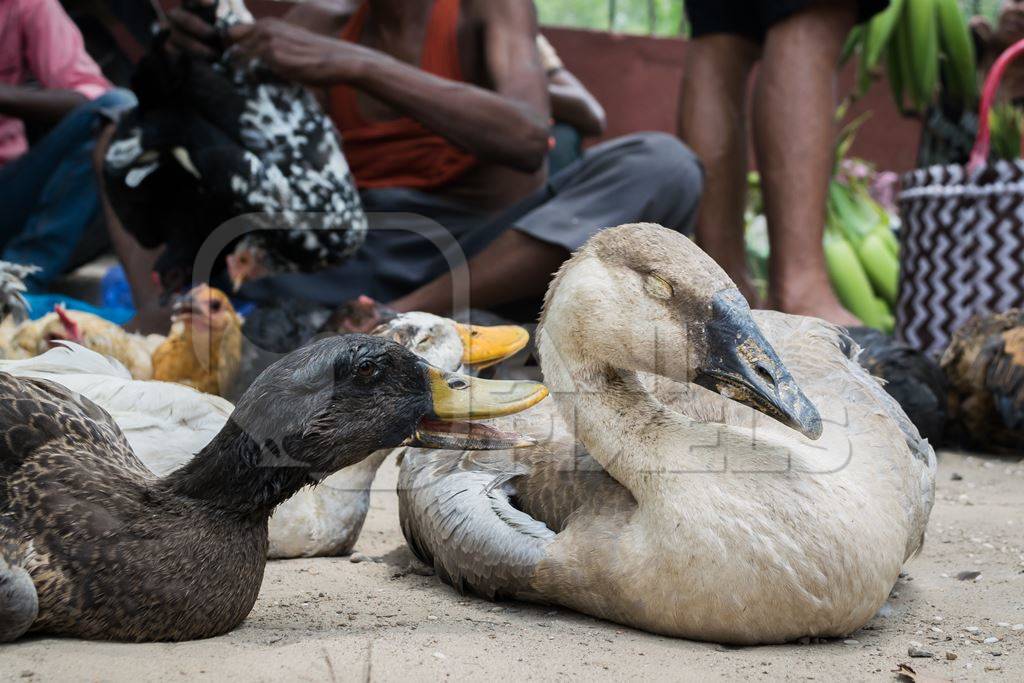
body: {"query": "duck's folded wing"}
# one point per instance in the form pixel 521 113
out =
pixel 457 516
pixel 165 423
pixel 39 415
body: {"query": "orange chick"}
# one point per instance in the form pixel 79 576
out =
pixel 204 347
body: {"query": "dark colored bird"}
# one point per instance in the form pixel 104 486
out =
pixel 230 144
pixel 984 364
pixel 911 377
pixel 277 328
pixel 93 545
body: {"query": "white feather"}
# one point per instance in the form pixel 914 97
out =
pixel 165 423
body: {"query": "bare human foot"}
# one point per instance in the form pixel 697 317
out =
pixel 818 301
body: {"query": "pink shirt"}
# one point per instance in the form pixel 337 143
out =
pixel 38 38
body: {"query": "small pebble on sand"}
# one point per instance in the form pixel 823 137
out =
pixel 918 650
pixel 950 656
pixel 972 629
pixel 990 640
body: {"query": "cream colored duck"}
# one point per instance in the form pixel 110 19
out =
pixel 689 514
pixel 167 423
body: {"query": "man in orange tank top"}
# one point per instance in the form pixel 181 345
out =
pixel 443 110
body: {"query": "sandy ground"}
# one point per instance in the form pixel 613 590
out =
pixel 333 619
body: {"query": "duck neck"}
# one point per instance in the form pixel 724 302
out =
pixel 235 473
pixel 636 438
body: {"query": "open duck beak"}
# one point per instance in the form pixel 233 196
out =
pixel 743 366
pixel 483 347
pixel 457 397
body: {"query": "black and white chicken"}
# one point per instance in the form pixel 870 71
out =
pixel 230 144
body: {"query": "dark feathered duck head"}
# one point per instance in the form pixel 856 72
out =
pixel 335 401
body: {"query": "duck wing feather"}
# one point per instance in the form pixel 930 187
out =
pixel 457 515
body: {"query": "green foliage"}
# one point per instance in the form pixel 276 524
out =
pixel 1005 124
pixel 657 17
pixel 986 8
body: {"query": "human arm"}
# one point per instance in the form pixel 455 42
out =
pixel 55 55
pixel 572 103
pixel 45 107
pixel 137 261
pixel 505 125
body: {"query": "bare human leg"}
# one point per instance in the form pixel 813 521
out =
pixel 712 113
pixel 138 262
pixel 794 132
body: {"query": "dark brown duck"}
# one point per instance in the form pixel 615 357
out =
pixel 93 545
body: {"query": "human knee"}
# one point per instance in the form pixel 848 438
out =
pixel 114 99
pixel 667 165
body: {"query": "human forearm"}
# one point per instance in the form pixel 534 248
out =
pixel 500 126
pixel 33 105
pixel 579 109
pixel 494 127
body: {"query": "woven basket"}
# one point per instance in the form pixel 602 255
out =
pixel 962 247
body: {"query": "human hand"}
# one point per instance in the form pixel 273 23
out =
pixel 359 315
pixel 294 53
pixel 193 35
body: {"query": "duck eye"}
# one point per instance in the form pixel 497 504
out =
pixel 457 383
pixel 366 369
pixel 657 286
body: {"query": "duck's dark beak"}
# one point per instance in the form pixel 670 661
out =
pixel 456 398
pixel 483 347
pixel 742 365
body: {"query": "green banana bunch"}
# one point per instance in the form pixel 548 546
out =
pixel 851 282
pixel 917 40
pixel 959 68
pixel 862 255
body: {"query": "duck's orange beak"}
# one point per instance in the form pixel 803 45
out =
pixel 485 346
